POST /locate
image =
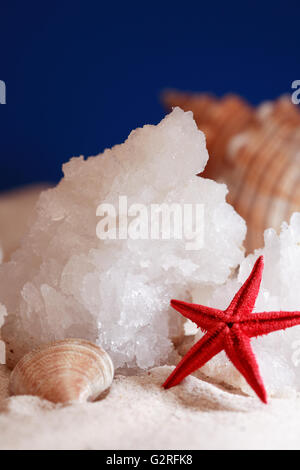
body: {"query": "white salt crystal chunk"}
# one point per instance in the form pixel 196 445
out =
pixel 66 282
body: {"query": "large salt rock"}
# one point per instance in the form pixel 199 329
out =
pixel 66 282
pixel 278 353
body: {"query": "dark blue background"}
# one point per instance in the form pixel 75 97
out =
pixel 80 75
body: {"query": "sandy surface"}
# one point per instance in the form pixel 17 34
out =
pixel 138 414
pixel 15 211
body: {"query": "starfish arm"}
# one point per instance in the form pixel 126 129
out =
pixel 205 317
pixel 208 346
pixel 244 300
pixel 259 324
pixel 239 351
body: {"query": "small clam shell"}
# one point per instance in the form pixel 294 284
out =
pixel 72 370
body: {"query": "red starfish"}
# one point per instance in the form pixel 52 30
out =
pixel 231 330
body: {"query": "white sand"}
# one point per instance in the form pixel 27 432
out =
pixel 138 414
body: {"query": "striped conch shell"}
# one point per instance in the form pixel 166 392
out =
pixel 256 152
pixel 68 371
